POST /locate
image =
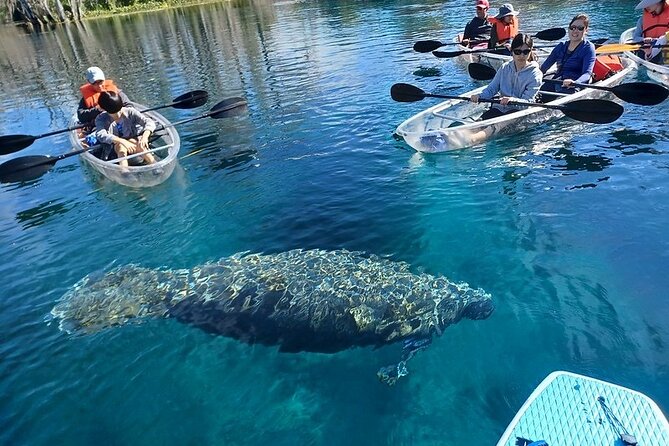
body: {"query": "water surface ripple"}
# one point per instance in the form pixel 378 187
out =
pixel 565 225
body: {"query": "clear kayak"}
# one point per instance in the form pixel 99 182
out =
pixel 165 145
pixel 658 73
pixel 486 58
pixel 453 124
pixel 571 409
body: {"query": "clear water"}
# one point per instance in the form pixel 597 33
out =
pixel 566 226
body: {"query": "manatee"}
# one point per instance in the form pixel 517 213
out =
pixel 300 300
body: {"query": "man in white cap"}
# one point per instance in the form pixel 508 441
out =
pixel 478 29
pixel 90 92
pixel 505 26
pixel 653 24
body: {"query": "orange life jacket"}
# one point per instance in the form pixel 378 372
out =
pixel 606 66
pixel 505 31
pixel 655 26
pixel 91 95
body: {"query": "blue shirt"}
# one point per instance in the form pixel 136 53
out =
pixel 577 66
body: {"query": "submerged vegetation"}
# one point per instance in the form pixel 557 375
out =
pixel 37 14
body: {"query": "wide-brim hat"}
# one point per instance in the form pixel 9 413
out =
pixel 506 10
pixel 643 4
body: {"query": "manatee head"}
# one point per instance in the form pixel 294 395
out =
pixel 126 294
pixel 455 301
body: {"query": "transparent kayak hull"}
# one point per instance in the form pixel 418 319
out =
pixel 451 124
pixel 165 150
pixel 658 73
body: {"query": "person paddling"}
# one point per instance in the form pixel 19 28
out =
pixel 95 84
pixel 519 78
pixel 478 29
pixel 125 129
pixel 505 26
pixel 652 25
pixel 575 58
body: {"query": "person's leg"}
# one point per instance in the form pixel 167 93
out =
pixel 490 114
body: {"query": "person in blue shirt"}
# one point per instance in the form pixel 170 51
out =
pixel 574 58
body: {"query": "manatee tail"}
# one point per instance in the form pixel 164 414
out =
pixel 125 294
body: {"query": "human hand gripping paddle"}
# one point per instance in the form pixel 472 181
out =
pixel 14 143
pixel 426 46
pixel 28 168
pixel 640 93
pixel 596 111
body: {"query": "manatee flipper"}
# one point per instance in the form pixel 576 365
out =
pixel 391 373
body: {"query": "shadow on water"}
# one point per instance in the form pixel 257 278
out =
pixel 43 212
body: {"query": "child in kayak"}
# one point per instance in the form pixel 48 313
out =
pixel 125 129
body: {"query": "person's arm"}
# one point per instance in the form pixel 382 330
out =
pixel 469 33
pixel 588 63
pixel 637 35
pixel 493 34
pixel 85 114
pixel 124 97
pixel 551 59
pixel 102 129
pixel 146 124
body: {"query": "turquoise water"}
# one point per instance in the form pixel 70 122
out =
pixel 565 225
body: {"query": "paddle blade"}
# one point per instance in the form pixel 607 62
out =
pixel 425 46
pixel 596 111
pixel 228 107
pixel 406 93
pixel 14 143
pixel 642 93
pixel 448 54
pixel 551 34
pixel 25 168
pixel 481 72
pixel 192 99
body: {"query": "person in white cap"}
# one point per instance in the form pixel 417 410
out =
pixel 95 84
pixel 478 29
pixel 505 26
pixel 653 24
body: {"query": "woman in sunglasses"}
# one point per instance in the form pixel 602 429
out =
pixel 574 58
pixel 519 78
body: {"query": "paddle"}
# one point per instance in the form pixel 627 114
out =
pixel 496 50
pixel 14 143
pixel 425 46
pixel 28 168
pixel 481 72
pixel 596 111
pixel 641 93
pixel 624 47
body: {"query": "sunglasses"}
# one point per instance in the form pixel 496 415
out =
pixel 518 52
pixel 574 28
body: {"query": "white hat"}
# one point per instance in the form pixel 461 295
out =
pixel 505 10
pixel 646 3
pixel 94 74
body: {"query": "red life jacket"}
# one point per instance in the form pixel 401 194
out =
pixel 505 31
pixel 91 95
pixel 655 26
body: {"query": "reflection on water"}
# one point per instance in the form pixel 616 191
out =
pixel 41 213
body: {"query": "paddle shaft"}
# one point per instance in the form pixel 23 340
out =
pixel 498 101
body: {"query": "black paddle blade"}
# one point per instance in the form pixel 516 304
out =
pixel 481 72
pixel 229 107
pixel 425 46
pixel 14 143
pixel 596 111
pixel 551 34
pixel 642 93
pixel 25 168
pixel 192 99
pixel 448 54
pixel 599 42
pixel 406 93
